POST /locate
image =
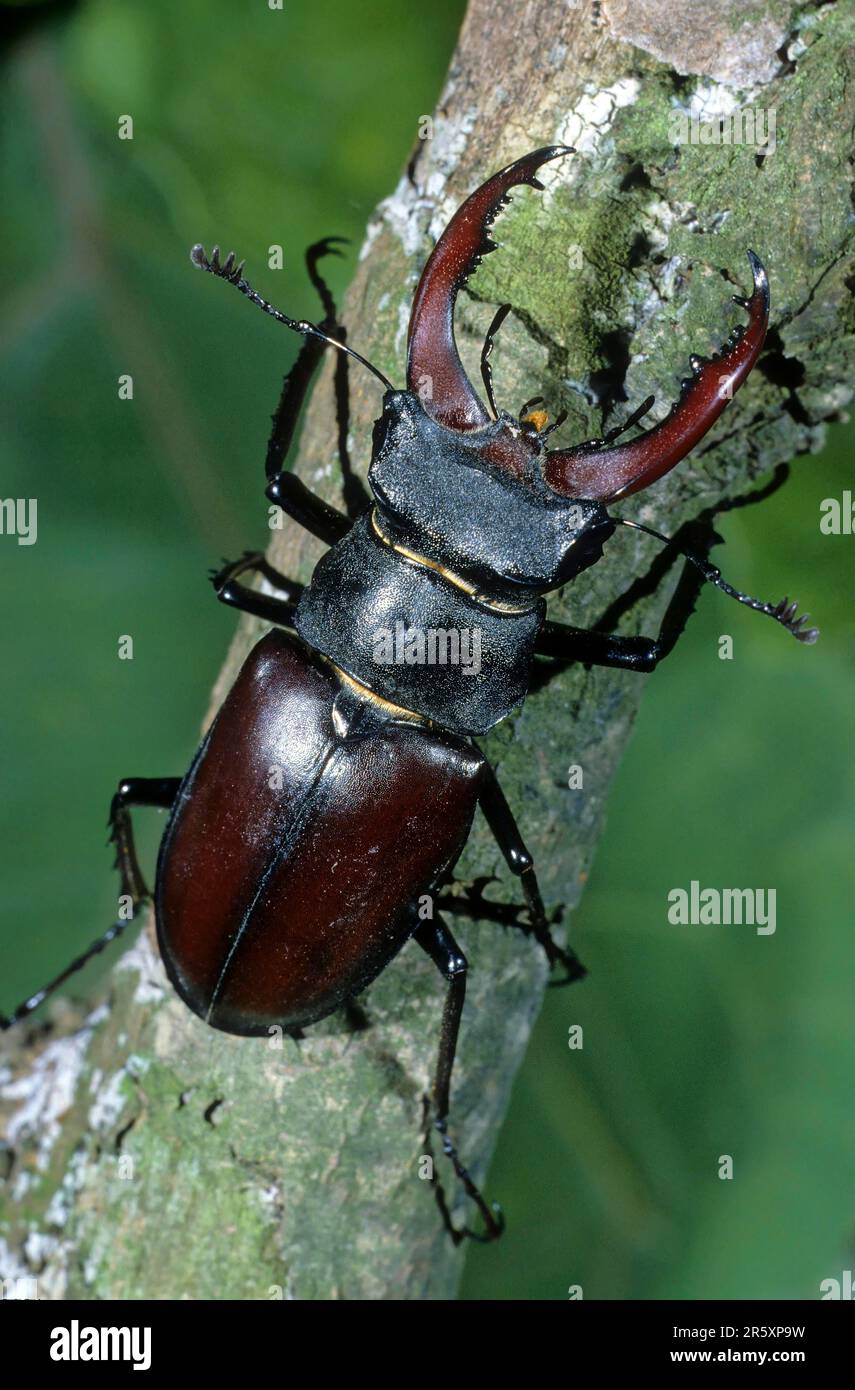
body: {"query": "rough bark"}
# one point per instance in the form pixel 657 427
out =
pixel 149 1156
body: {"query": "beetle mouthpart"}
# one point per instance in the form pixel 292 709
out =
pixel 431 348
pixel 486 370
pixel 605 474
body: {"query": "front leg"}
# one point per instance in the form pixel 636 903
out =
pixel 694 540
pixel 569 643
pixel 309 511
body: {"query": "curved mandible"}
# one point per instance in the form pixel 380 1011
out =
pixel 432 354
pixel 595 473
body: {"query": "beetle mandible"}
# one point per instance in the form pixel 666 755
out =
pixel 276 905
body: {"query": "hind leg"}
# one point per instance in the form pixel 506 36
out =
pixel 435 938
pixel 132 791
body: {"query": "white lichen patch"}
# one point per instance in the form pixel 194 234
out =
pixel 659 218
pixel 110 1101
pixel 21 1185
pixel 53 1279
pixel 588 124
pixel 417 214
pixel 152 985
pixel 38 1248
pixel 137 1065
pixel 12 1266
pixel 270 1198
pixel 403 325
pixel 447 148
pixel 61 1205
pixel 711 101
pixel 45 1093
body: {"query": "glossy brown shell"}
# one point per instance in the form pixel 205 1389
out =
pixel 297 844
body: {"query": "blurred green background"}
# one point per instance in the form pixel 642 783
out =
pixel 254 127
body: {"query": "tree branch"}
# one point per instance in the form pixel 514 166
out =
pixel 152 1157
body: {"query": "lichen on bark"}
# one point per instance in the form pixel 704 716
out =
pixel 151 1157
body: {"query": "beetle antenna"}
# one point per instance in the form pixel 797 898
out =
pixel 227 270
pixel 783 612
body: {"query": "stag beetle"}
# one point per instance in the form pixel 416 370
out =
pixel 278 901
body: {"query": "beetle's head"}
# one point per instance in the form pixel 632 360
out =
pixel 477 501
pixel 597 470
pixel 483 491
pixel 571 485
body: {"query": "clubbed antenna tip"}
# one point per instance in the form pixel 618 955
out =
pixel 233 273
pixel 783 612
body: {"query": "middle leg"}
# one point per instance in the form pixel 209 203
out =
pixel 273 610
pixel 500 819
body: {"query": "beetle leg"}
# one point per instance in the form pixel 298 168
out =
pixel 274 610
pixel 133 791
pixel 567 643
pixel 625 653
pixel 435 938
pixel 298 379
pixel 697 535
pixel 645 653
pixel 307 509
pixel 601 648
pixel 500 819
